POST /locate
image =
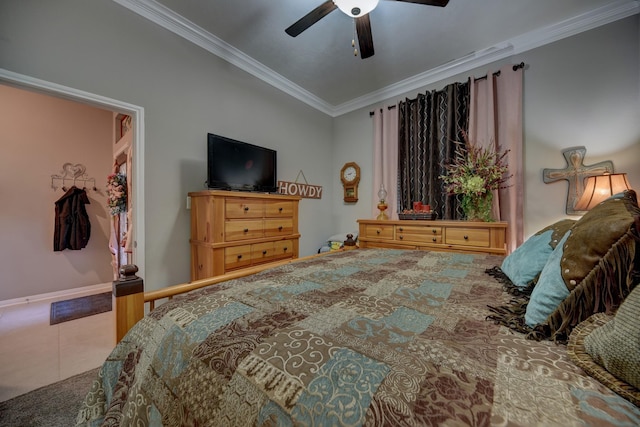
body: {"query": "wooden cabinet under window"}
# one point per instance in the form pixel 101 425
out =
pixel 459 236
pixel 235 230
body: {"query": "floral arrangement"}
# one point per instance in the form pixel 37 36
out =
pixel 117 193
pixel 474 173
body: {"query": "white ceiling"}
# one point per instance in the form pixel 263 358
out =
pixel 415 45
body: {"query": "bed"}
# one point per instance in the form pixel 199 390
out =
pixel 367 337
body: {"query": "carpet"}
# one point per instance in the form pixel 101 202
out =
pixel 53 405
pixel 76 308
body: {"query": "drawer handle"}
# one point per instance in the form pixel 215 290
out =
pixel 401 237
pixel 264 252
pixel 246 230
pixel 401 230
pixel 239 256
pixel 377 231
pixel 285 248
pixel 279 209
pixel 433 230
pixel 280 228
pixel 434 239
pixel 466 237
pixel 246 208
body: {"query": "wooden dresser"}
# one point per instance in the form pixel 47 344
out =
pixel 235 230
pixel 459 236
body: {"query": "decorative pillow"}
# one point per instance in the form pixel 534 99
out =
pixel 596 267
pixel 616 345
pixel 524 264
pixel 577 353
pixel 550 290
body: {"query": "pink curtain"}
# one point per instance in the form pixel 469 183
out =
pixel 385 159
pixel 496 118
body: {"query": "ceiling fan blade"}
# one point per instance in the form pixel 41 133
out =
pixel 311 18
pixel 440 3
pixel 365 39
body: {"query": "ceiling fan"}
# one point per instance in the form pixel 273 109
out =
pixel 357 9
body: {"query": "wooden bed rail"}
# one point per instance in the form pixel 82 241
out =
pixel 129 296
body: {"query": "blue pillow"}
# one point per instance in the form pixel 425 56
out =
pixel 524 264
pixel 550 290
pixel 528 260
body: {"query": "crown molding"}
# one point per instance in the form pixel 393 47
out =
pixel 533 39
pixel 575 25
pixel 169 20
pixel 452 68
pixel 177 24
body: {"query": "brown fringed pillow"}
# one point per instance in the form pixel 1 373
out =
pixel 596 265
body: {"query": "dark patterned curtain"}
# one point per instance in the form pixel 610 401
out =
pixel 428 128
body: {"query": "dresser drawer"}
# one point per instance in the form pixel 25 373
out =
pixel 379 231
pixel 262 252
pixel 243 229
pixel 283 248
pixel 278 209
pixel 413 233
pixel 477 237
pixel 244 208
pixel 237 257
pixel 278 227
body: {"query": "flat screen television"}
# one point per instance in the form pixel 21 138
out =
pixel 236 165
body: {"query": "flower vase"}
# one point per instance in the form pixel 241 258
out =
pixel 478 207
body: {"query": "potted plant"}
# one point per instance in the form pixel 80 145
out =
pixel 474 173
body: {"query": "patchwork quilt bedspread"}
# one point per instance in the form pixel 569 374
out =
pixel 367 337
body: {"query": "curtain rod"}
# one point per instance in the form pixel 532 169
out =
pixel 390 107
pixel 497 73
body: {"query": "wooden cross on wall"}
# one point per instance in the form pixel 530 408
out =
pixel 575 172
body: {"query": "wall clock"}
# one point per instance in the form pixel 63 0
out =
pixel 350 177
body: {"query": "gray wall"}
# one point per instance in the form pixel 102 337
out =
pixel 580 91
pixel 102 48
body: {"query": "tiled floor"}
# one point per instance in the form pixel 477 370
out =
pixel 34 354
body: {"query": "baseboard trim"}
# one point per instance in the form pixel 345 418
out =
pixel 66 294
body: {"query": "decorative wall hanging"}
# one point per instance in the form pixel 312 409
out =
pixel 117 193
pixel 575 173
pixel 298 189
pixel 72 175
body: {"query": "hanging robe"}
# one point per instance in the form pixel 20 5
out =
pixel 72 227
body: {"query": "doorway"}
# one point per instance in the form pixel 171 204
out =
pixel 137 123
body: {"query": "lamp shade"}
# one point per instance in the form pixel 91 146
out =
pixel 601 187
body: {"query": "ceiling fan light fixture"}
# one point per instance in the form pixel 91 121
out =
pixel 356 8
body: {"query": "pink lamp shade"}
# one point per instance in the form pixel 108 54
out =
pixel 601 187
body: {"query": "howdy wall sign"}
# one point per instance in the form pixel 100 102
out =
pixel 299 189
